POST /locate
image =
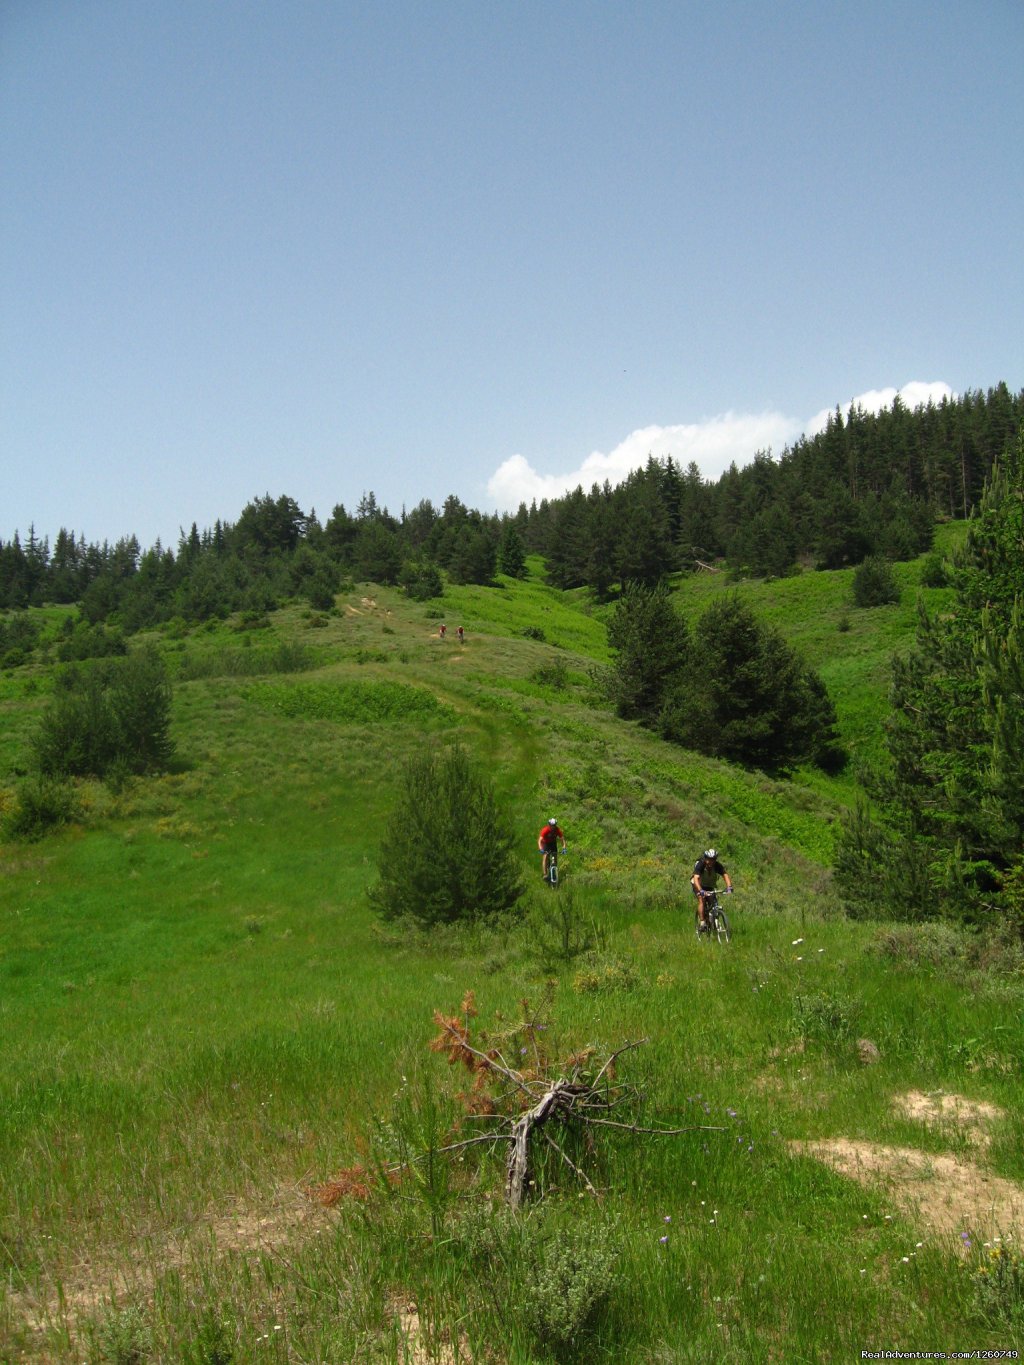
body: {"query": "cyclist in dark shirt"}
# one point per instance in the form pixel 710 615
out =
pixel 706 872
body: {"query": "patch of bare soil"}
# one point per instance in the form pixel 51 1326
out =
pixel 952 1112
pixel 80 1290
pixel 944 1193
pixel 417 1347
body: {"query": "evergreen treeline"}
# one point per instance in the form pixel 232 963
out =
pixel 870 484
pixel 274 551
pixel 945 830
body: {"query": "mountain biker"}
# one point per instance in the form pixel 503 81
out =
pixel 706 872
pixel 547 842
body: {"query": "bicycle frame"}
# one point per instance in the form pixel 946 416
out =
pixel 716 924
pixel 553 866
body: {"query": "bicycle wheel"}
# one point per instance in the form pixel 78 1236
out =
pixel 721 925
pixel 553 870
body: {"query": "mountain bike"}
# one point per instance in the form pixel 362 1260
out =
pixel 717 925
pixel 552 873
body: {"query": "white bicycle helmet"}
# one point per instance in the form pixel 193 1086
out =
pixel 711 853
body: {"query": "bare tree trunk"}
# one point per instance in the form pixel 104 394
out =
pixel 518 1170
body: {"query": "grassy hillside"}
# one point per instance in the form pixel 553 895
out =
pixel 203 1024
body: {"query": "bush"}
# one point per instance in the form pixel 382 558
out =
pixel 111 714
pixel 874 583
pixel 933 571
pixel 569 1282
pixel 41 804
pixel 447 853
pixel 421 580
pixel 999 1287
pixel 85 641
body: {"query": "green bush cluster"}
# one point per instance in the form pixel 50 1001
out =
pixel 874 583
pixel 108 715
pixel 40 805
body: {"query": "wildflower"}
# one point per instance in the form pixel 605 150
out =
pixel 797 942
pixel 668 1218
pixel 662 1240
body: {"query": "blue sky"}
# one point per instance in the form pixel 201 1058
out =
pixel 482 248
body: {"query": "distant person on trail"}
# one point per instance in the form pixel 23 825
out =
pixel 547 842
pixel 706 872
pixel 442 630
pixel 462 635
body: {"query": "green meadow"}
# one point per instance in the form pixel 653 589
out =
pixel 206 1031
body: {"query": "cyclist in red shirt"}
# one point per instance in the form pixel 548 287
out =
pixel 547 842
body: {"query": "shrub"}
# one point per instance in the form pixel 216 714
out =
pixel 41 804
pixel 421 580
pixel 125 1337
pixel 447 853
pixel 112 713
pixel 85 641
pixel 874 583
pixel 933 571
pixel 824 1018
pixel 999 1287
pixel 559 930
pixel 554 674
pixel 569 1281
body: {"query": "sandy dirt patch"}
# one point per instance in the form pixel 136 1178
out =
pixel 944 1193
pixel 89 1283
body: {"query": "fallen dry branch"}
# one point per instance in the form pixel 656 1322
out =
pixel 547 1098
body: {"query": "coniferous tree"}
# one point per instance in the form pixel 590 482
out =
pixel 649 640
pixel 748 697
pixel 511 553
pixel 448 851
pixel 951 802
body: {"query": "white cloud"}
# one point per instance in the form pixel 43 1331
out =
pixel 916 394
pixel 712 445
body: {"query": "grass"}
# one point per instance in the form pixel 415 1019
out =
pixel 202 1021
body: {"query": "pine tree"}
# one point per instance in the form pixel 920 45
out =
pixel 448 851
pixel 650 641
pixel 954 788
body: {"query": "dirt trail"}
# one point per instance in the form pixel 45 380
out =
pixel 90 1283
pixel 947 1194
